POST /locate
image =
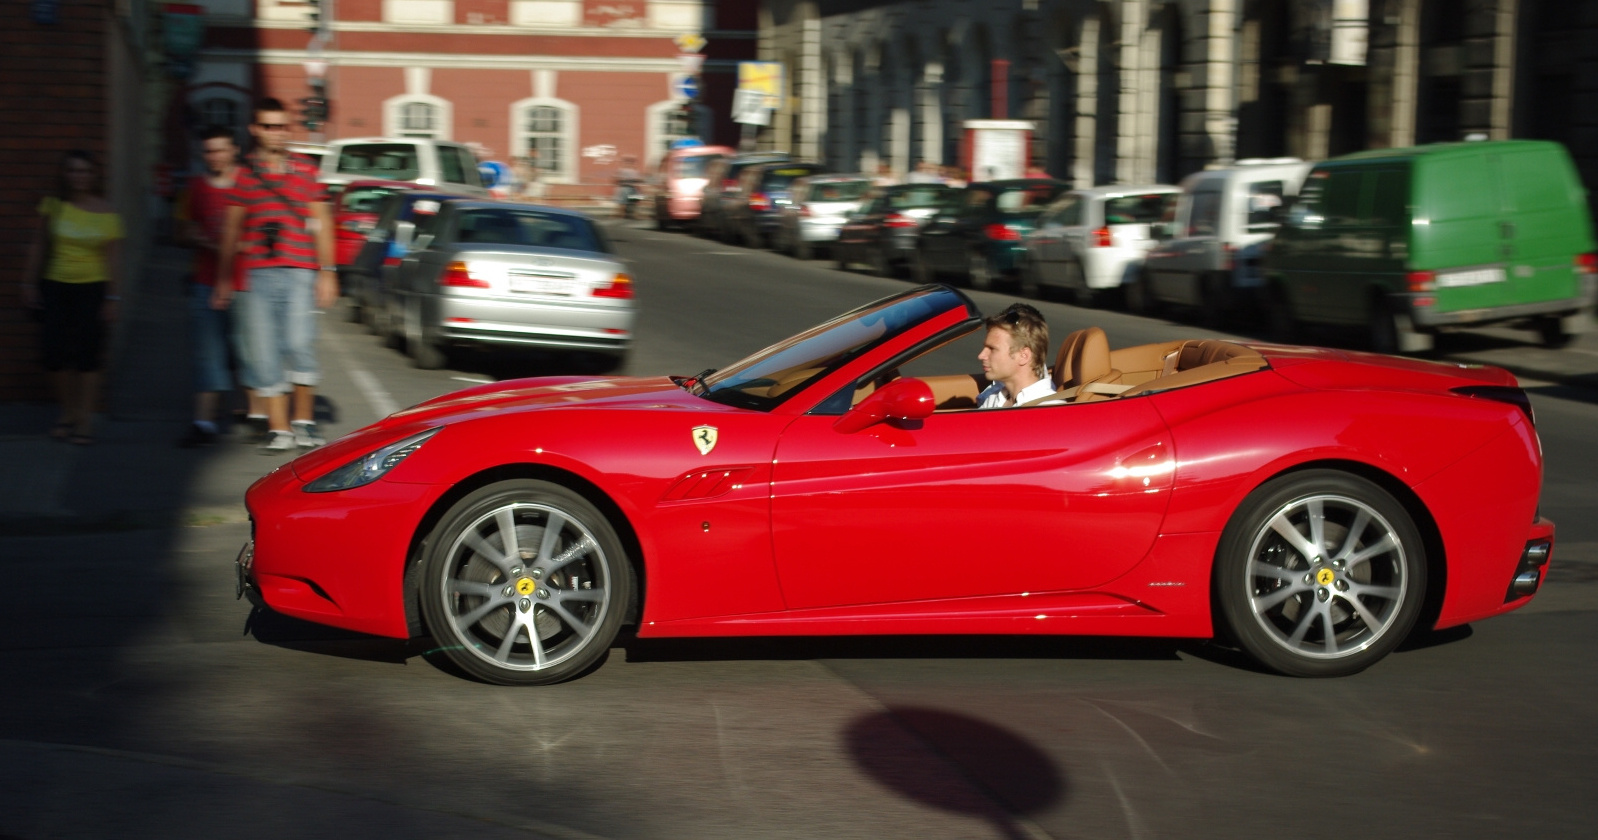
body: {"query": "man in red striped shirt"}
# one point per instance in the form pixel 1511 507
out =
pixel 278 224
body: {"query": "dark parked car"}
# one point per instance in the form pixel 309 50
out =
pixel 721 191
pixel 981 237
pixel 763 191
pixel 883 233
pixel 369 272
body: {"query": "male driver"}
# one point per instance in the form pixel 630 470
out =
pixel 278 224
pixel 1013 358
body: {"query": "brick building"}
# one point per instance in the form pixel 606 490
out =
pixel 586 81
pixel 74 74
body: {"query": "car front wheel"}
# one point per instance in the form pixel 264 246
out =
pixel 1320 574
pixel 524 583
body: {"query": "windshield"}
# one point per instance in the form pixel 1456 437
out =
pixel 504 226
pixel 762 381
pixel 692 166
pixel 839 190
pixel 780 178
pixel 928 196
pixel 1137 209
pixel 393 161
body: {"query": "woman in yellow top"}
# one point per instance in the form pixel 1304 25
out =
pixel 77 289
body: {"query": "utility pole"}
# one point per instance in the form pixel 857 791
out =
pixel 314 108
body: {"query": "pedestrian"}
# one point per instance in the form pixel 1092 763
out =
pixel 955 177
pixel 884 176
pixel 279 226
pixel 201 210
pixel 925 172
pixel 73 276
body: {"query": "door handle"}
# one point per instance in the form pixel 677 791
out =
pixel 1506 230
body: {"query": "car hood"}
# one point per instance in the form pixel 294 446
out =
pixel 516 395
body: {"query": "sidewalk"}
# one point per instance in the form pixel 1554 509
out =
pixel 136 477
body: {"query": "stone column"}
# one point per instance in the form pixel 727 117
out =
pixel 812 93
pixel 1209 120
pixel 1087 102
pixel 1128 162
pixel 1489 68
pixel 931 112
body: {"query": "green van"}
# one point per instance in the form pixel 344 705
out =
pixel 1413 241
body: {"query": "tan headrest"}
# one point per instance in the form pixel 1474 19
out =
pixel 1092 360
pixel 1069 348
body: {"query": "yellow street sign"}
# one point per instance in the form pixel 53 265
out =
pixel 762 76
pixel 690 42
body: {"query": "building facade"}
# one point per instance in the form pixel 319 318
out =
pixel 1150 90
pixel 586 82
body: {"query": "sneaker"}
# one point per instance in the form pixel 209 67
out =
pixel 305 434
pixel 198 436
pixel 278 442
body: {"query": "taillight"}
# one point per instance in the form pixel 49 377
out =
pixel 804 210
pixel 621 286
pixel 759 201
pixel 1421 281
pixel 897 220
pixel 1102 238
pixel 460 276
pixel 729 185
pixel 1587 263
pixel 1501 393
pixel 391 262
pixel 1002 233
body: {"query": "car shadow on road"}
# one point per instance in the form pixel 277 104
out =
pixel 958 764
pixel 900 647
pixel 274 628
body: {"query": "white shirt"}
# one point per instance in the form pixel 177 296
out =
pixel 993 395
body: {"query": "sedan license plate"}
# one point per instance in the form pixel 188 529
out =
pixel 543 285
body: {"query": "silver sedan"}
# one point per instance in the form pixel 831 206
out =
pixel 492 273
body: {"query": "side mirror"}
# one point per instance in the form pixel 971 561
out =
pixel 902 399
pixel 404 232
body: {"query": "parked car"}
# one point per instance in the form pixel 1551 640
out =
pixel 506 274
pixel 355 214
pixel 680 184
pixel 1208 256
pixel 1092 240
pixel 981 237
pixel 1310 506
pixel 763 190
pixel 430 163
pixel 722 179
pixel 1409 242
pixel 370 272
pixel 883 233
pixel 817 206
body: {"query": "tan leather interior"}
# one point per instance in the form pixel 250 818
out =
pixel 952 392
pixel 1093 372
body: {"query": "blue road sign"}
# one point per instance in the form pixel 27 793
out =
pixel 688 87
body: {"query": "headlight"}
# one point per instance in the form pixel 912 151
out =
pixel 369 467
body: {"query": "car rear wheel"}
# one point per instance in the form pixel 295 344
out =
pixel 1551 329
pixel 801 248
pixel 524 583
pixel 1320 574
pixel 1139 299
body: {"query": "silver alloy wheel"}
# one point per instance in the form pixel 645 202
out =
pixel 525 587
pixel 1326 576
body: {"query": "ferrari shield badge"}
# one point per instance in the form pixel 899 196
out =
pixel 704 438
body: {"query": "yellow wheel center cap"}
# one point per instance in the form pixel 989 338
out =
pixel 1324 577
pixel 526 586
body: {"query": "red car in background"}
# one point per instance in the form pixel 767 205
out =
pixel 355 214
pixel 1309 506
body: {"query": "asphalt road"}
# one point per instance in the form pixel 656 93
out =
pixel 142 700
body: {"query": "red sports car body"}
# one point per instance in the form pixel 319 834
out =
pixel 1311 505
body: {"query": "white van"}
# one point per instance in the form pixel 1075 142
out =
pixel 1208 256
pixel 443 164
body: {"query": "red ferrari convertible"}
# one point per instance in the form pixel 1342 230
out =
pixel 1310 506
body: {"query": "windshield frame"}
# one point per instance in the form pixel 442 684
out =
pixel 767 379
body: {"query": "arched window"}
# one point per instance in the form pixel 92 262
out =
pixel 546 129
pixel 416 115
pixel 219 111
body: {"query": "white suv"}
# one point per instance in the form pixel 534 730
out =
pixel 1209 255
pixel 442 164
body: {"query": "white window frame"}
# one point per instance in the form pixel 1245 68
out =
pixel 519 112
pixel 655 135
pixel 394 116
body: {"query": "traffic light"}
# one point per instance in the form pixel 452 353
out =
pixel 313 112
pixel 313 14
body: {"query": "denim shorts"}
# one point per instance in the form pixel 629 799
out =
pixel 277 321
pixel 209 330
